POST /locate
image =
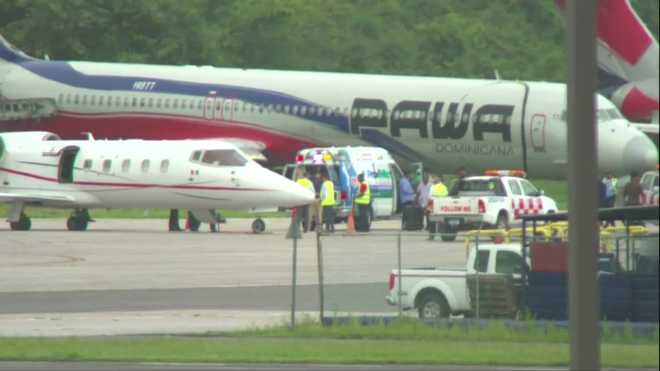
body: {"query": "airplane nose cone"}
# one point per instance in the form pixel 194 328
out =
pixel 288 193
pixel 640 154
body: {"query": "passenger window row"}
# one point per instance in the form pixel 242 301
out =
pixel 145 165
pixel 231 105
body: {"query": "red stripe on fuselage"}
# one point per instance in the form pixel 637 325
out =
pixel 280 149
pixel 132 185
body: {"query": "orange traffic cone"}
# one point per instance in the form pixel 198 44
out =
pixel 350 223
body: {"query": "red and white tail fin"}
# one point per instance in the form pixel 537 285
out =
pixel 627 60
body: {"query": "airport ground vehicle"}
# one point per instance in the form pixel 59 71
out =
pixel 343 165
pixel 627 265
pixel 494 199
pixel 628 268
pixel 438 293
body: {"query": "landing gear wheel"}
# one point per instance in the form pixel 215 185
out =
pixel 76 223
pixel 24 223
pixel 258 226
pixel 433 306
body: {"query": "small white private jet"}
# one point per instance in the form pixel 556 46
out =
pixel 40 169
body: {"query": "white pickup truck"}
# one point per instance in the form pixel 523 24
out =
pixel 490 199
pixel 439 293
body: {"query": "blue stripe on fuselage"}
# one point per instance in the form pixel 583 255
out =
pixel 62 72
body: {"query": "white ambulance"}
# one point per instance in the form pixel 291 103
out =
pixel 343 165
pixel 494 199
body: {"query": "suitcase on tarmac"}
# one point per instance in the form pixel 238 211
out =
pixel 413 218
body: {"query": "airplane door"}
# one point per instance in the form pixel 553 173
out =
pixel 209 105
pixel 65 168
pixel 537 129
pixel 228 109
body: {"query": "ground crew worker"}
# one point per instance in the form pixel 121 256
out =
pixel 423 193
pixel 363 205
pixel 439 189
pixel 303 211
pixel 317 181
pixel 174 221
pixel 328 203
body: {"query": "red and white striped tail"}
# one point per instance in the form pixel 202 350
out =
pixel 627 60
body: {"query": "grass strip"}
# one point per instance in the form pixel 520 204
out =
pixel 413 329
pixel 299 350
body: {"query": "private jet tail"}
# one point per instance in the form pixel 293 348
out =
pixel 627 60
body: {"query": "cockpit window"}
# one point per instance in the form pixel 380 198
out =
pixel 601 114
pixel 219 157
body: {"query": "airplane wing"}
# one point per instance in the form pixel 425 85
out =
pixel 253 149
pixel 36 198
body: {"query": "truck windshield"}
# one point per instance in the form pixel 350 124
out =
pixel 485 187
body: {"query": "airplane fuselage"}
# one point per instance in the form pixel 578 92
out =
pixel 190 174
pixel 443 122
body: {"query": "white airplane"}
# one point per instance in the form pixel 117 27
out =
pixel 443 122
pixel 39 169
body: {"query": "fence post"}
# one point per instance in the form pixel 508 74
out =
pixel 293 283
pixel 476 257
pixel 398 247
pixel 319 263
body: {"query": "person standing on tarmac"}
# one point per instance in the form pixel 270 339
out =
pixel 174 221
pixel 423 193
pixel 439 189
pixel 407 194
pixel 317 181
pixel 305 216
pixel 460 174
pixel 362 205
pixel 328 203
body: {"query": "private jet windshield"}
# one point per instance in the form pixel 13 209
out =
pixel 219 157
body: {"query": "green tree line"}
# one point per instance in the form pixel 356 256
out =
pixel 521 39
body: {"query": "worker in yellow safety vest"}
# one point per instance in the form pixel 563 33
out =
pixel 439 189
pixel 303 211
pixel 328 203
pixel 363 205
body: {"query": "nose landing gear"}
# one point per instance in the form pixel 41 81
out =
pixel 258 226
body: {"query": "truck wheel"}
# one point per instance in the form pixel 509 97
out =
pixel 446 233
pixel 502 221
pixel 433 306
